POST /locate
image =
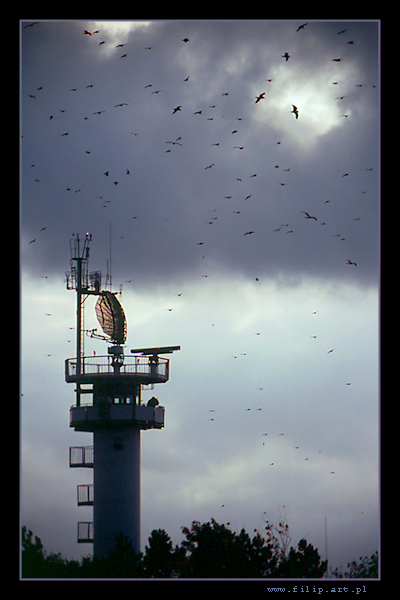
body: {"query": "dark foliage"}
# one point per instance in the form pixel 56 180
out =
pixel 209 550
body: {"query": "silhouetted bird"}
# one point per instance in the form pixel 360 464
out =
pixel 260 97
pixel 301 27
pixel 295 111
pixel 308 216
pixel 176 109
pixel 286 55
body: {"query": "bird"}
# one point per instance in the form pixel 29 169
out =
pixel 301 27
pixel 286 55
pixel 260 97
pixel 308 216
pixel 350 262
pixel 336 59
pixel 176 109
pixel 122 104
pixel 271 464
pixel 86 32
pixel 209 166
pixel 248 232
pixel 185 40
pixel 295 111
pixel 64 134
pixel 31 242
pixel 331 350
pixel 345 175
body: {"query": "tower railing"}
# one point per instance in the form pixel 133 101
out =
pixel 132 365
pixel 81 456
pixel 85 532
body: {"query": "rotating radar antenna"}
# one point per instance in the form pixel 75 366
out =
pixel 111 317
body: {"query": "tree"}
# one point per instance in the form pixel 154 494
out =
pixel 305 562
pixel 32 560
pixel 213 550
pixel 160 560
pixel 367 568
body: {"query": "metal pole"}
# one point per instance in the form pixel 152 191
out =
pixel 326 547
pixel 78 324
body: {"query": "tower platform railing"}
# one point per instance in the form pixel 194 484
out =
pixel 81 456
pixel 85 532
pixel 143 368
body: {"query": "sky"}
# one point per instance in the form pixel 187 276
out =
pixel 258 229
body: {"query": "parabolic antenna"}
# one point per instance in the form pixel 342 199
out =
pixel 111 317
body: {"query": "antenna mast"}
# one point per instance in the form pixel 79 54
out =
pixel 110 260
pixel 78 279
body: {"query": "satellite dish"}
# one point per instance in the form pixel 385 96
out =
pixel 111 317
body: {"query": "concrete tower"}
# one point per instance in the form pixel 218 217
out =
pixel 112 410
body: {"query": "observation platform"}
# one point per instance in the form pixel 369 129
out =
pixel 88 417
pixel 141 370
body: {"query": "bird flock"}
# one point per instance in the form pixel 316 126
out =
pixel 175 144
pixel 234 140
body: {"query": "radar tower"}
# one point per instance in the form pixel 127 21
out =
pixel 115 415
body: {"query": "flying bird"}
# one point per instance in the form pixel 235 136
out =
pixel 176 109
pixel 185 40
pixel 248 232
pixel 286 55
pixel 122 104
pixel 295 111
pixel 301 27
pixel 350 262
pixel 308 216
pixel 209 166
pixel 260 97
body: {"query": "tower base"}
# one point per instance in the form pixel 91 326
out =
pixel 116 507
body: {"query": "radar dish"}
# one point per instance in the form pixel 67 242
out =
pixel 111 317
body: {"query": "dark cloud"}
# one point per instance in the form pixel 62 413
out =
pixel 169 201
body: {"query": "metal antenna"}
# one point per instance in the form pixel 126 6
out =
pixel 110 260
pixel 326 546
